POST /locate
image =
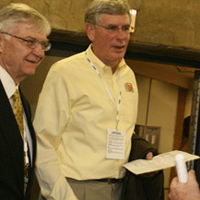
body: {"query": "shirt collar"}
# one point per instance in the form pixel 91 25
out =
pixel 98 63
pixel 8 82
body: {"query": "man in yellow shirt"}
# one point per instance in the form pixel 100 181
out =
pixel 87 112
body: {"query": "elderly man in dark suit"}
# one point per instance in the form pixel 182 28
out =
pixel 23 41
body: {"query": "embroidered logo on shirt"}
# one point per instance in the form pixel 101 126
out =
pixel 129 87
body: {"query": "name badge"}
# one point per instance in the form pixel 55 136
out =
pixel 115 144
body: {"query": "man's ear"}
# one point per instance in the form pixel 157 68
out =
pixel 90 30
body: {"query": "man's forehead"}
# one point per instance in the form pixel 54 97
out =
pixel 114 19
pixel 28 29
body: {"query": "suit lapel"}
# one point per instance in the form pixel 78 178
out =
pixel 32 133
pixel 10 130
pixel 29 122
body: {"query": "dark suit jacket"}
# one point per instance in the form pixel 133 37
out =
pixel 11 152
pixel 142 187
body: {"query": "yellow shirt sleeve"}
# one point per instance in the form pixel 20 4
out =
pixel 48 123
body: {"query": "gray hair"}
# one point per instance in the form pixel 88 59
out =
pixel 18 12
pixel 112 7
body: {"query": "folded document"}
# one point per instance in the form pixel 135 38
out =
pixel 161 161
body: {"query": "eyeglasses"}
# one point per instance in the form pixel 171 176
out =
pixel 32 43
pixel 115 29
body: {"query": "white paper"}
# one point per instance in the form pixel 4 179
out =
pixel 115 144
pixel 162 161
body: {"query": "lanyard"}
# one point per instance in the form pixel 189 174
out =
pixel 26 151
pixel 27 162
pixel 108 91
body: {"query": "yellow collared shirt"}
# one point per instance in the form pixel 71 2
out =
pixel 72 118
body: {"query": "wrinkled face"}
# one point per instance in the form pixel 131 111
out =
pixel 16 57
pixel 108 45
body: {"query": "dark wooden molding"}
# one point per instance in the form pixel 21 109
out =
pixel 172 55
pixel 67 41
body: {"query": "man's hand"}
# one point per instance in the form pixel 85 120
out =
pixel 149 156
pixel 185 191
